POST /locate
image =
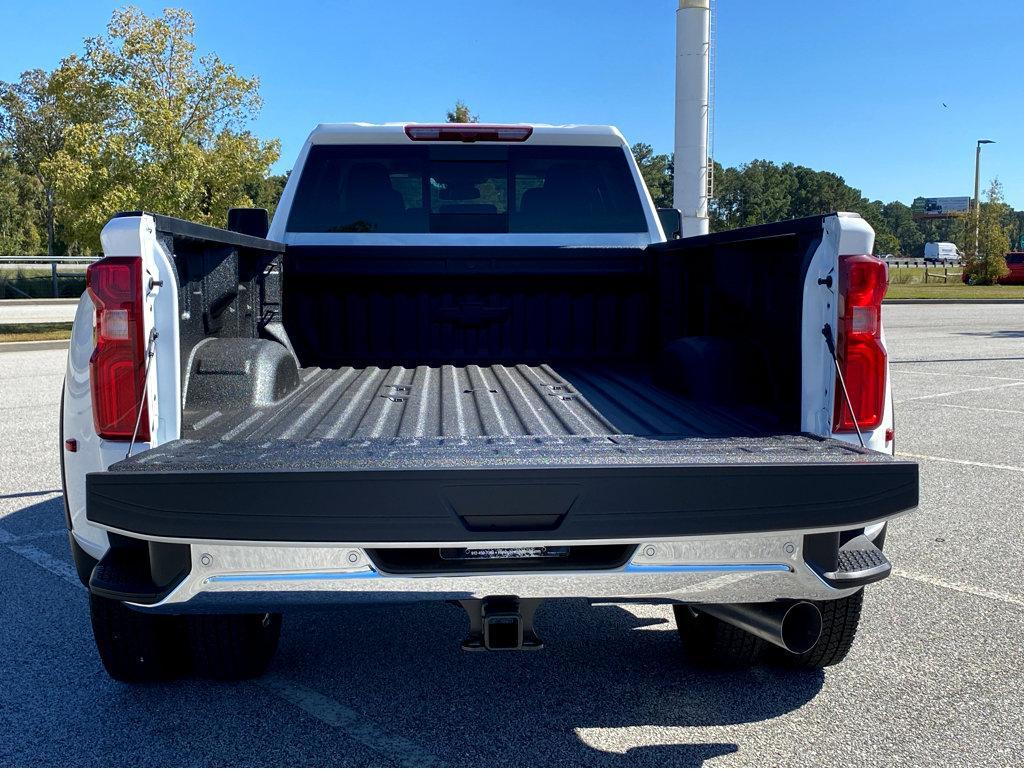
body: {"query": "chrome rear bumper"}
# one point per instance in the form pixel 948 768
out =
pixel 725 569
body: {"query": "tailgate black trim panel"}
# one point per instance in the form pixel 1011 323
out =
pixel 409 506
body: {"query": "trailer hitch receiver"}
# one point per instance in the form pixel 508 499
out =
pixel 501 622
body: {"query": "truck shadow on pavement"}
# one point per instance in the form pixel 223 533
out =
pixel 609 686
pixel 378 685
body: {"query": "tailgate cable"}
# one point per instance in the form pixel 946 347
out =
pixel 827 333
pixel 150 352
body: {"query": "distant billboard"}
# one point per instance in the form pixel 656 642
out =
pixel 934 208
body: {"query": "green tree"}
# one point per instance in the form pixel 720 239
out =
pixel 725 180
pixel 266 193
pixel 989 263
pixel 873 212
pixel 657 173
pixel 461 114
pixel 20 205
pixel 755 193
pixel 819 192
pixel 936 230
pixel 885 241
pixel 33 121
pixel 900 222
pixel 1015 231
pixel 762 191
pixel 158 128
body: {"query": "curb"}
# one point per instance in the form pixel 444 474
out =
pixel 953 301
pixel 35 302
pixel 47 344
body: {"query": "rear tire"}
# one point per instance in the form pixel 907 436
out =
pixel 233 646
pixel 137 647
pixel 839 621
pixel 709 642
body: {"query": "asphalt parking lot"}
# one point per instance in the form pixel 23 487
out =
pixel 935 678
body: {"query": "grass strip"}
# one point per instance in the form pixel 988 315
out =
pixel 34 332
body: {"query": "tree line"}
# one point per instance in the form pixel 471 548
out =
pixel 139 119
pixel 763 191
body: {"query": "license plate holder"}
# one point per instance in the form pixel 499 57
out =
pixel 503 553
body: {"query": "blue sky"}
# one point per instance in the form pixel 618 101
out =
pixel 855 88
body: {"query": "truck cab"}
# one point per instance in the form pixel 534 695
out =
pixel 463 363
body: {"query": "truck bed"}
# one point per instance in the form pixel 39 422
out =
pixel 483 453
pixel 478 402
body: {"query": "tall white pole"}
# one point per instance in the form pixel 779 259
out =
pixel 693 52
pixel 977 201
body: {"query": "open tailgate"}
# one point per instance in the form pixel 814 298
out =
pixel 437 490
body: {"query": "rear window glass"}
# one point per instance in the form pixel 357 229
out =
pixel 466 188
pixel 1015 259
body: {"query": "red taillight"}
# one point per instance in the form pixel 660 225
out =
pixel 117 368
pixel 863 281
pixel 468 132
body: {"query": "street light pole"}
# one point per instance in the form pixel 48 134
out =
pixel 977 195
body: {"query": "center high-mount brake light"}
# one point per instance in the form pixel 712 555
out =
pixel 863 281
pixel 468 132
pixel 117 368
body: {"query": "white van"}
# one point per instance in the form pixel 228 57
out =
pixel 942 252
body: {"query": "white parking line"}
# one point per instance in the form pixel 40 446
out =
pixel 980 408
pixel 978 592
pixel 955 374
pixel 62 569
pixel 394 749
pixel 960 392
pixel 43 535
pixel 971 463
pixel 54 565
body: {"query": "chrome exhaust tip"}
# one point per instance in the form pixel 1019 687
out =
pixel 801 627
pixel 795 627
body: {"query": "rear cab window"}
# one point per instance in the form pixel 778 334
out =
pixel 466 188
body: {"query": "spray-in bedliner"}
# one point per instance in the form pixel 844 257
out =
pixel 477 402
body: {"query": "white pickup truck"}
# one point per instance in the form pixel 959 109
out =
pixel 465 364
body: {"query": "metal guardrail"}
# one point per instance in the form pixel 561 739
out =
pixel 922 263
pixel 53 261
pixel 937 270
pixel 49 259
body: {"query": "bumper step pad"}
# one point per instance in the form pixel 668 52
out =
pixel 860 563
